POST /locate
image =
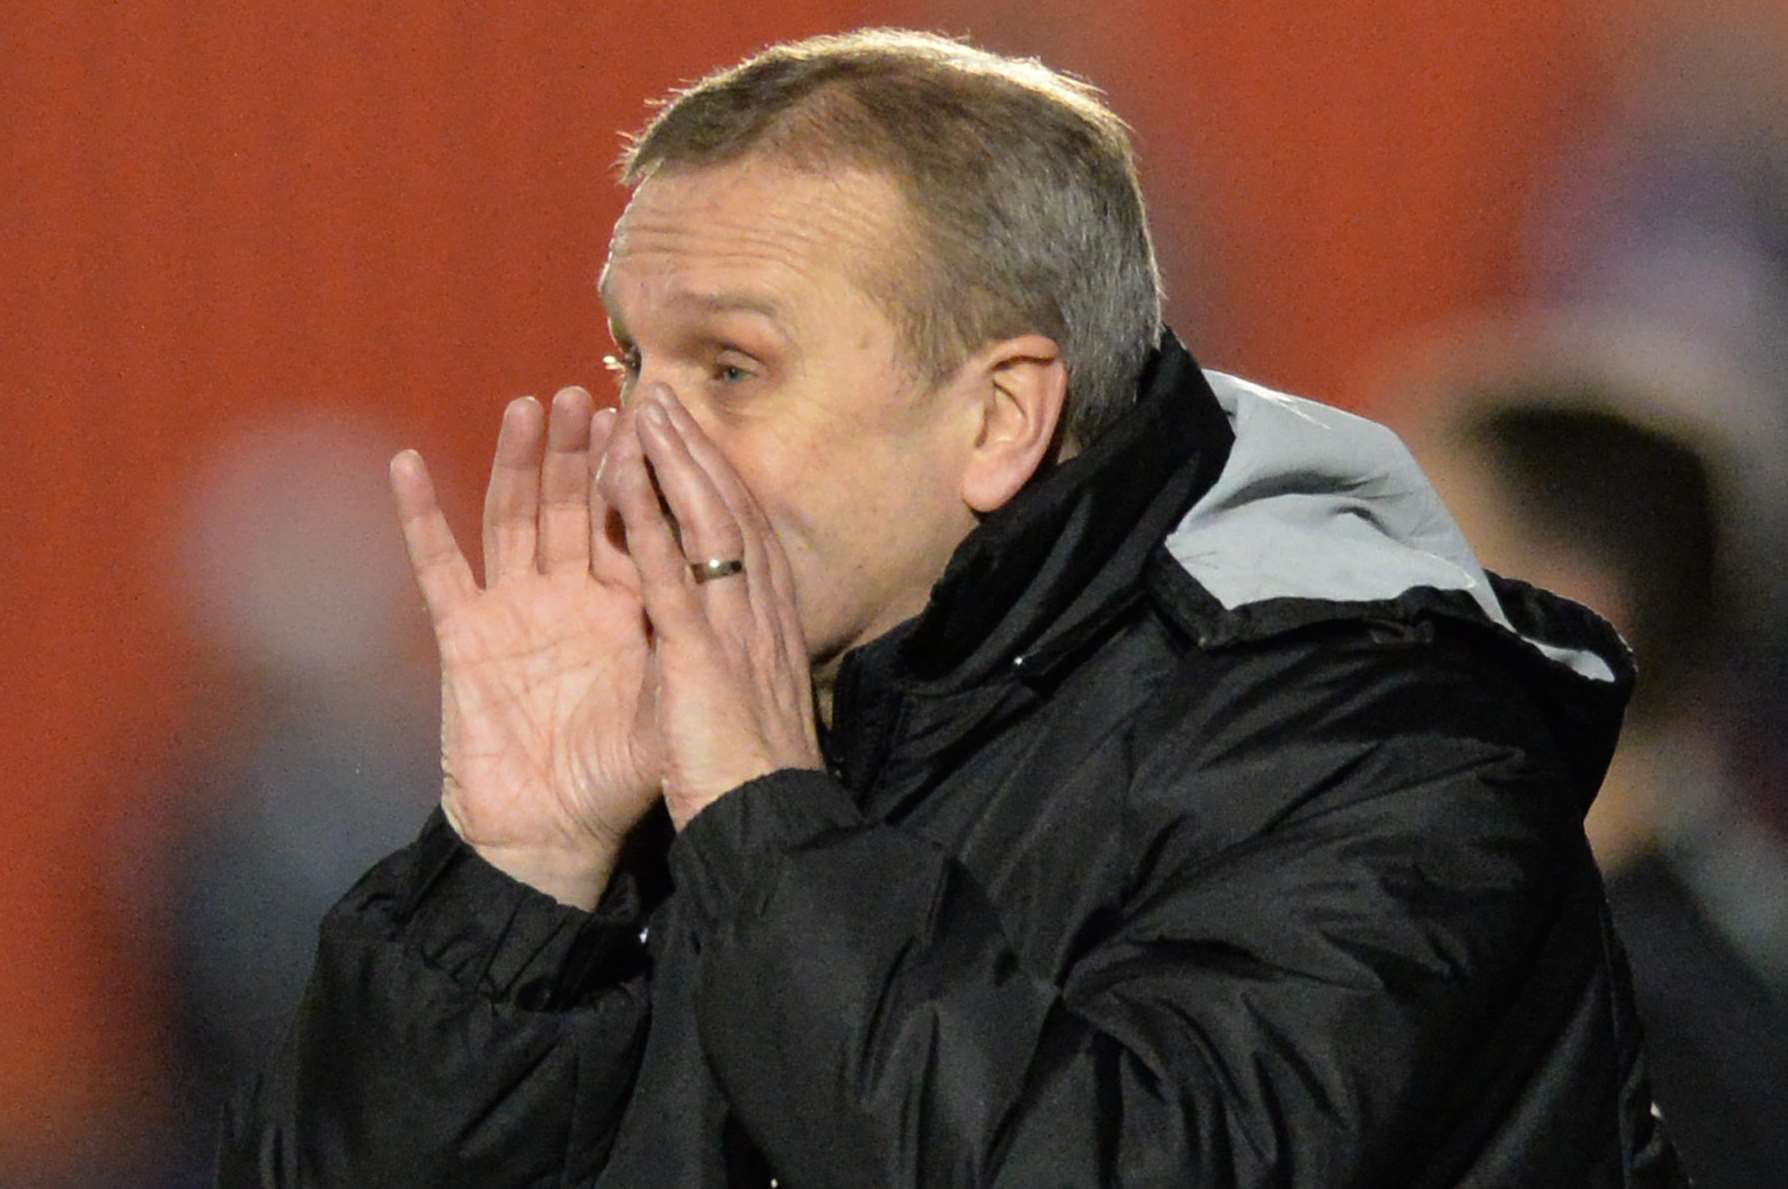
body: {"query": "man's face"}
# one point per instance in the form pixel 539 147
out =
pixel 735 286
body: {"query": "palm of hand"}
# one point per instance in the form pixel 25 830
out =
pixel 549 745
pixel 548 738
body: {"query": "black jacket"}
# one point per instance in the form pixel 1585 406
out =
pixel 1219 823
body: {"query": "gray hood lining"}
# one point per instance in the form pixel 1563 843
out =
pixel 1316 503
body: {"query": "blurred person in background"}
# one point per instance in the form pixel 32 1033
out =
pixel 1666 235
pixel 1595 482
pixel 1669 215
pixel 308 758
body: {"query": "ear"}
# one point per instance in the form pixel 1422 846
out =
pixel 1018 389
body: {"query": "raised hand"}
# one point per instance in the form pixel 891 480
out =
pixel 735 698
pixel 549 744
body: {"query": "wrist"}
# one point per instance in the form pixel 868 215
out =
pixel 575 877
pixel 568 881
pixel 684 804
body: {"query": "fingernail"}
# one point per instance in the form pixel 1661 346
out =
pixel 654 413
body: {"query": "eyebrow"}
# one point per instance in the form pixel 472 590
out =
pixel 723 302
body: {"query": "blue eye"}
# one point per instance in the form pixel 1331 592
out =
pixel 726 373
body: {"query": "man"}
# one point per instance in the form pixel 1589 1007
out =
pixel 1083 772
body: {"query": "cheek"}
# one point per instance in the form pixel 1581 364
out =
pixel 773 480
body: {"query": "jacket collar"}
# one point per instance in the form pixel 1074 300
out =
pixel 1031 583
pixel 1064 553
pixel 1038 572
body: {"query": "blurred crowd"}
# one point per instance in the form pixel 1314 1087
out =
pixel 1619 436
pixel 1624 442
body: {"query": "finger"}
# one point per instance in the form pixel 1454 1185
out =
pixel 767 566
pixel 565 485
pixel 602 429
pixel 708 528
pixel 512 501
pixel 440 567
pixel 608 540
pixel 627 484
pixel 764 557
pixel 752 608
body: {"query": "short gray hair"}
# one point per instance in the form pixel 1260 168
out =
pixel 1029 212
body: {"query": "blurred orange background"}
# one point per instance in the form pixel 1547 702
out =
pixel 213 212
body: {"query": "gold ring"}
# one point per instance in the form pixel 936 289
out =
pixel 716 567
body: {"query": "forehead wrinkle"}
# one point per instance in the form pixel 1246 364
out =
pixel 675 289
pixel 690 215
pixel 714 301
pixel 727 245
pixel 656 260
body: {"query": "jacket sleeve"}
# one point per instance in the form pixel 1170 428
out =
pixel 1283 1007
pixel 458 1028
